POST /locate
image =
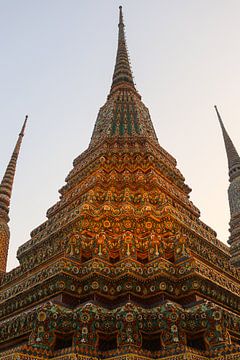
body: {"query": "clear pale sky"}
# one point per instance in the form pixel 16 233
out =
pixel 56 64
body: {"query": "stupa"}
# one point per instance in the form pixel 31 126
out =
pixel 123 267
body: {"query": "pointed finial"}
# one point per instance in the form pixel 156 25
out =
pixel 7 181
pixel 120 15
pixel 218 115
pixel 24 126
pixel 232 154
pixel 122 71
pixel 219 118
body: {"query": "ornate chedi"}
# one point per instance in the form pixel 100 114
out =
pixel 123 267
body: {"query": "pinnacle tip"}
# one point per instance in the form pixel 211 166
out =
pixel 215 107
pixel 219 116
pixel 120 15
pixel 24 126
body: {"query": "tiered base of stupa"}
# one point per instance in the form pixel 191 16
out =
pixel 164 331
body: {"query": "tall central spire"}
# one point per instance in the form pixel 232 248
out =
pixel 122 71
pixel 123 115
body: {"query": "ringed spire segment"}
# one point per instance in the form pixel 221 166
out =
pixel 232 154
pixel 8 178
pixel 122 72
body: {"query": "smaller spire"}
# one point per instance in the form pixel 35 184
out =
pixel 233 195
pixel 5 197
pixel 7 181
pixel 232 154
pixel 122 71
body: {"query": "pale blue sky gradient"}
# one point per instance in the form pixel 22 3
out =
pixel 56 64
